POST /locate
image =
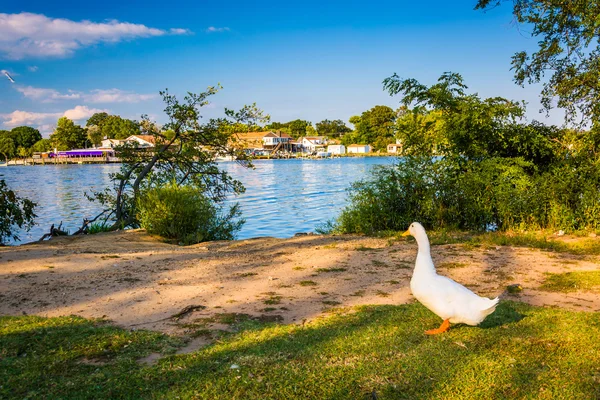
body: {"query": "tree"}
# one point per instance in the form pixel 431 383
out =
pixel 567 61
pixel 94 134
pixel 374 127
pixel 7 146
pixel 25 136
pixel 68 135
pixel 97 119
pixel 310 131
pixel 332 128
pixel 473 127
pixel 42 146
pixel 184 154
pixel 115 127
pixel 14 212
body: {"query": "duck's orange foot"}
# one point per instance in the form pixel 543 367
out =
pixel 445 326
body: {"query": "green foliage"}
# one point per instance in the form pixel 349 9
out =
pixel 572 281
pixel 566 61
pixel 42 145
pixel 94 134
pixel 374 127
pixel 25 136
pixel 492 171
pixel 115 127
pixel 15 211
pixel 7 146
pixel 97 228
pixel 295 128
pixel 186 214
pixel 68 135
pixel 519 352
pixel 97 119
pixel 335 128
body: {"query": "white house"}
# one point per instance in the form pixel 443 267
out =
pixel 111 143
pixel 141 141
pixel 310 143
pixel 336 149
pixel 359 148
pixel 272 139
pixel 394 148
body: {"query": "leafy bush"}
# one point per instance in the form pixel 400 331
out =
pixel 454 193
pixel 186 214
pixel 14 211
pixel 97 228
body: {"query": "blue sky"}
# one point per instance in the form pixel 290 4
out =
pixel 311 60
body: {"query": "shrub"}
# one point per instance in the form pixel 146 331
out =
pixel 186 214
pixel 14 212
pixel 454 193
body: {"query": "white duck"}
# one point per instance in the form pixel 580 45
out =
pixel 449 300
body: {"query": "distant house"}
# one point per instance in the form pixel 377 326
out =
pixel 359 148
pixel 141 141
pixel 311 143
pixel 111 143
pixel 394 148
pixel 272 139
pixel 336 149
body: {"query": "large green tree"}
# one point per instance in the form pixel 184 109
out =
pixel 68 135
pixel 7 145
pixel 97 119
pixel 15 212
pixel 42 145
pixel 25 136
pixel 567 60
pixel 335 128
pixel 115 127
pixel 374 127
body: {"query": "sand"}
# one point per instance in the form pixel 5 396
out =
pixel 139 282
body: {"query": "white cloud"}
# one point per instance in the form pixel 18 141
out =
pixel 46 95
pixel 32 68
pixel 212 29
pixel 94 96
pixel 27 35
pixel 81 112
pixel 116 96
pixel 18 117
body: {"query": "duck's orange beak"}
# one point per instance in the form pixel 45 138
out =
pixel 407 233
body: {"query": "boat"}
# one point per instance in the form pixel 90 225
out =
pixel 323 154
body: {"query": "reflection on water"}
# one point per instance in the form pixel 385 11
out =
pixel 282 197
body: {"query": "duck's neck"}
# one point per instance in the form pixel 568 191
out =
pixel 424 262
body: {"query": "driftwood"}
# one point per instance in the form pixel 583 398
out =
pixel 54 232
pixel 87 222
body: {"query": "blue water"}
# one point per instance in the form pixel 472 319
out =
pixel 282 197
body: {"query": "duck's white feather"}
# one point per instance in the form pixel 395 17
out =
pixel 443 296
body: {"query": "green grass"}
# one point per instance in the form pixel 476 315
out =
pixel 321 270
pixel 538 240
pixel 520 351
pixel 572 281
pixel 307 283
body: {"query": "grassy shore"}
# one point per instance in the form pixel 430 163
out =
pixel 518 352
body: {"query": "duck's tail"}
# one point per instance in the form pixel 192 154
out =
pixel 491 306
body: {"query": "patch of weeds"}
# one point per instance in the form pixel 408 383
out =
pixel 200 333
pixel 307 283
pixel 298 268
pixel 404 265
pixel 377 263
pixel 330 245
pixel 110 256
pixel 331 302
pixel 392 282
pixel 284 308
pixel 284 286
pixel 246 274
pixel 231 301
pixel 358 293
pixel 331 270
pixel 273 300
pixel 381 293
pixel 572 281
pixel 268 309
pixel 323 293
pixel 451 265
pixel 365 248
pixel 49 266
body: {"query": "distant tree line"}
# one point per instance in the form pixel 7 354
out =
pixel 23 141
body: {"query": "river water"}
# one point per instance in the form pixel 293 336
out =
pixel 282 197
